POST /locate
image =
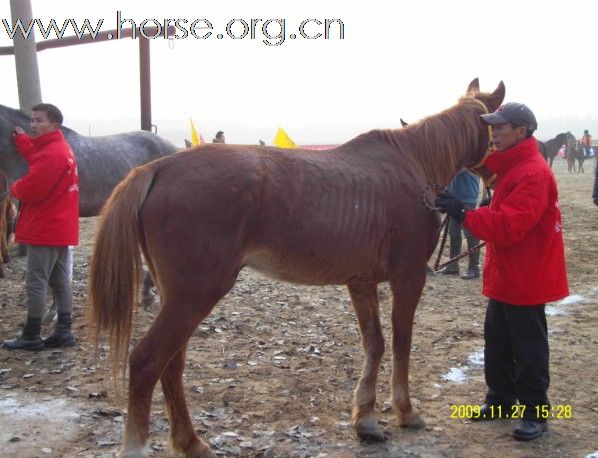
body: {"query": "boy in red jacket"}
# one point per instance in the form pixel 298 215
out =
pixel 524 269
pixel 48 222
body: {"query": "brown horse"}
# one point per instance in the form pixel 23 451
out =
pixel 550 148
pixel 351 215
pixel 7 216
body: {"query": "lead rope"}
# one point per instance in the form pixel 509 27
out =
pixel 438 267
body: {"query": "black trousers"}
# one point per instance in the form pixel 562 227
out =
pixel 516 356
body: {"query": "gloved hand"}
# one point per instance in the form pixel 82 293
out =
pixel 485 202
pixel 448 203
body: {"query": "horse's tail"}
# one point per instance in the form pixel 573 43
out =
pixel 115 268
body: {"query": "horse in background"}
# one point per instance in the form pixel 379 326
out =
pixel 574 152
pixel 350 215
pixel 550 148
pixel 102 162
pixel 571 152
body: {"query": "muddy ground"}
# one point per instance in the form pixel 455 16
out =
pixel 271 372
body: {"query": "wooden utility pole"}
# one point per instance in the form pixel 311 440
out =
pixel 30 93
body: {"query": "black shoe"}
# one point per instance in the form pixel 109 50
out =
pixel 449 271
pixel 21 343
pixel 59 340
pixel 528 430
pixel 471 274
pixel 62 335
pixel 492 412
pixel 30 338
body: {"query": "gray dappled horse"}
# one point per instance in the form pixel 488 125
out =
pixel 102 162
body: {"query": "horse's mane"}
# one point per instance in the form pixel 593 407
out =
pixel 437 144
pixel 552 146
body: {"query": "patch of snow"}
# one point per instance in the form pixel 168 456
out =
pixel 476 358
pixel 455 375
pixel 572 299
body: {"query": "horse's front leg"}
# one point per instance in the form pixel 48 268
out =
pixel 407 290
pixel 365 302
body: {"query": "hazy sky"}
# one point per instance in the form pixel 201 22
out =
pixel 398 59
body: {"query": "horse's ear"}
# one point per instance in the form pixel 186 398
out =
pixel 403 123
pixel 474 87
pixel 496 98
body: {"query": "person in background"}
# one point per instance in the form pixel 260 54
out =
pixel 219 137
pixel 586 143
pixel 48 222
pixel 595 193
pixel 524 269
pixel 466 187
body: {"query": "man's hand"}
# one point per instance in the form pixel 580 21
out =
pixel 485 202
pixel 17 131
pixel 448 203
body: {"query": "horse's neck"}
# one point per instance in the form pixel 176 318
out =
pixel 435 165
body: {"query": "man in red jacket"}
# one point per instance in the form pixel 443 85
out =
pixel 48 222
pixel 524 269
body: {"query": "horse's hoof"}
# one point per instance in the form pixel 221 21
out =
pixel 203 451
pixel 134 453
pixel 368 430
pixel 412 420
pixel 196 448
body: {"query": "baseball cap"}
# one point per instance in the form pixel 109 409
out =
pixel 516 113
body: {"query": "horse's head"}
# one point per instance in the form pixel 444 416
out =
pixel 481 103
pixel 570 143
pixel 491 100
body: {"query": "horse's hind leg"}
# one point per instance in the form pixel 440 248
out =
pixel 406 291
pixel 182 434
pixel 365 303
pixel 158 352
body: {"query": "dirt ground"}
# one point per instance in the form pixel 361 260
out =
pixel 271 372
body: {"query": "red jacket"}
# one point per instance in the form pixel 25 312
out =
pixel 525 258
pixel 49 192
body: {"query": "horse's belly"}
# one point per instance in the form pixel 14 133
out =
pixel 308 271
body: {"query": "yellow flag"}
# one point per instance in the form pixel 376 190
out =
pixel 282 139
pixel 195 138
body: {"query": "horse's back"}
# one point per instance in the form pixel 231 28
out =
pixel 104 161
